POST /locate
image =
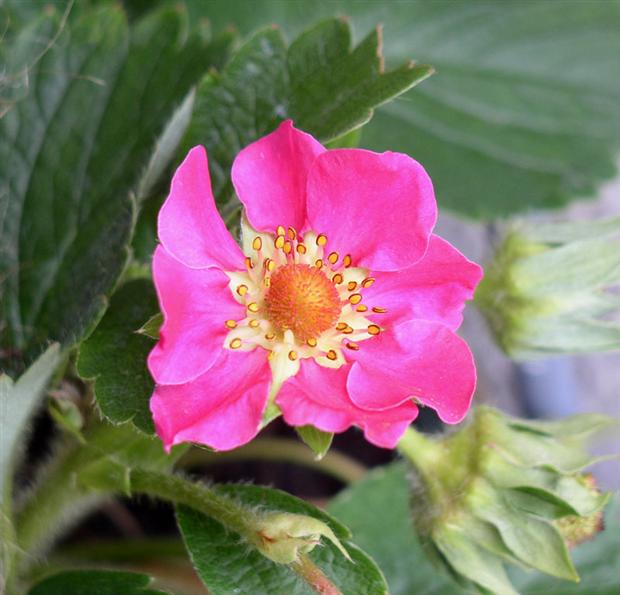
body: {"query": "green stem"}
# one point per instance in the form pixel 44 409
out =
pixel 335 464
pixel 199 497
pixel 424 453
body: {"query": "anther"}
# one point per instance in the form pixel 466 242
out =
pixel 367 282
pixel 267 281
pixel 341 326
pixel 348 330
pixel 248 263
pixel 242 290
pixel 318 263
pixel 373 329
pixel 312 342
pixel 332 355
pixel 257 243
pixel 292 355
pixel 333 257
pixel 301 248
pixel 292 234
pixel 271 266
pixel 337 278
pixel 280 231
pixel 230 324
pixel 253 307
pixel 346 261
pixel 321 239
pixel 288 247
pixel 279 242
pixel 356 298
pixel 270 336
pixel 353 346
pixel 351 285
pixel 378 310
pixel 255 324
pixel 362 308
pixel 235 343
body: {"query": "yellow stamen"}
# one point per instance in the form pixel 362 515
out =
pixel 318 263
pixel 356 298
pixel 257 244
pixel 292 234
pixel 288 247
pixel 341 326
pixel 235 343
pixel 378 310
pixel 333 257
pixel 270 336
pixel 337 278
pixel 248 263
pixel 362 308
pixel 321 239
pixel 279 242
pixel 367 282
pixel 254 323
pixel 346 261
pixel 373 329
pixel 292 355
pixel 351 285
pixel 312 342
pixel 253 307
pixel 301 248
pixel 230 324
pixel 280 231
pixel 353 346
pixel 242 290
pixel 332 355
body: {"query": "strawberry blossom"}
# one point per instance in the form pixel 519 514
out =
pixel 339 308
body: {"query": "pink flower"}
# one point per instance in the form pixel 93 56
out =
pixel 339 308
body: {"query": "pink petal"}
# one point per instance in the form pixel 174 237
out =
pixel 434 288
pixel 420 359
pixel 189 225
pixel 222 408
pixel 270 177
pixel 195 304
pixel 318 396
pixel 378 207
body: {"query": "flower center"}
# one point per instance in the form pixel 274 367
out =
pixel 301 298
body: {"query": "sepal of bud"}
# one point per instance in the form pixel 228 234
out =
pixel 547 289
pixel 504 490
pixel 284 536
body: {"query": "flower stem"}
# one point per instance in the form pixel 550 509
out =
pixel 179 490
pixel 313 575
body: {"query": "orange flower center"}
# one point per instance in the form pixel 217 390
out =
pixel 301 298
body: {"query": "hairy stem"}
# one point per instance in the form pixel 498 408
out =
pixel 179 490
pixel 314 576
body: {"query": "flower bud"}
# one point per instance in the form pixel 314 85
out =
pixel 548 289
pixel 500 490
pixel 284 536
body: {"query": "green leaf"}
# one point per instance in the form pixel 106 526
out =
pixel 225 563
pixel 72 147
pixel 114 356
pixel 376 509
pixel 95 582
pixel 522 112
pixel 324 85
pixel 316 439
pixel 18 401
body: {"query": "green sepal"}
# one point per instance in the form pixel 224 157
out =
pixel 316 439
